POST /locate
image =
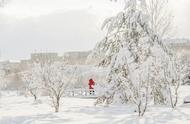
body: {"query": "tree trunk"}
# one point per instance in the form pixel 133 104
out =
pixel 139 108
pixel 171 99
pixel 57 104
pixel 35 97
pixel 176 94
pixel 56 109
pixel 33 94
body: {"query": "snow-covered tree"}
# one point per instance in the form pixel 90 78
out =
pixel 159 21
pixel 132 50
pixel 160 17
pixel 173 82
pixel 49 76
pixel 32 81
pixel 54 81
pixel 179 69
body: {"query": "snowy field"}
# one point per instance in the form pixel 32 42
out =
pixel 21 110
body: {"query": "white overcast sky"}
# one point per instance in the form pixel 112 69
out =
pixel 64 25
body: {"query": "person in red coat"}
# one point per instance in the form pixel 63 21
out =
pixel 91 86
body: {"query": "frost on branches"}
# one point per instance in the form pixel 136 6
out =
pixel 54 82
pixel 50 78
pixel 140 64
pixel 31 79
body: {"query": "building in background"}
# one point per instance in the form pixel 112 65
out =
pixel 76 58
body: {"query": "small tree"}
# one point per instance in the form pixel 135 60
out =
pixel 175 72
pixel 54 82
pixel 32 82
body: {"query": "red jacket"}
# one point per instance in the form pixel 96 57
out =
pixel 91 84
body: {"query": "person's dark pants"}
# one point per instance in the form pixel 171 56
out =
pixel 91 92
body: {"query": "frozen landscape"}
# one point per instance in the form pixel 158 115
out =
pixel 94 62
pixel 21 110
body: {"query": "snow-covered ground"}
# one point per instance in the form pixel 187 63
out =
pixel 21 110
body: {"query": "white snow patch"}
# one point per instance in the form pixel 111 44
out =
pixel 22 110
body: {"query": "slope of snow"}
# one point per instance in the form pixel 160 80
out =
pixel 21 110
